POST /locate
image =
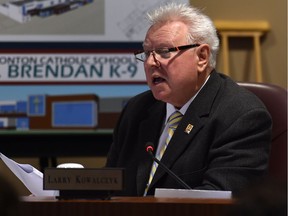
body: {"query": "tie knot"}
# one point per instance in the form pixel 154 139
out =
pixel 174 120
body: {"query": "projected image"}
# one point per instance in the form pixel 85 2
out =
pixel 24 11
pixel 61 111
pixel 50 20
pixel 75 20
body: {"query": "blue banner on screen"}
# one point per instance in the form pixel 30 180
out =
pixel 74 114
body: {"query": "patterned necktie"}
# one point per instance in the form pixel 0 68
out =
pixel 173 122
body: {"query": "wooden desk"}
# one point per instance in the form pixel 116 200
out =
pixel 127 206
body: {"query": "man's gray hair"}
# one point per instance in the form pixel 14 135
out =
pixel 201 27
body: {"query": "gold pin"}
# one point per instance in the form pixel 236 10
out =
pixel 189 128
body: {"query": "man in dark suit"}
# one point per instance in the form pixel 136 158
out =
pixel 222 141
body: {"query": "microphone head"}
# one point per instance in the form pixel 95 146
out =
pixel 149 147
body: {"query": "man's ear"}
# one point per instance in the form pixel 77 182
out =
pixel 203 53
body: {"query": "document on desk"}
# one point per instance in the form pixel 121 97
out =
pixel 185 193
pixel 29 176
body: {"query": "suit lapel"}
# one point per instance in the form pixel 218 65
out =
pixel 196 115
pixel 149 129
pixel 179 143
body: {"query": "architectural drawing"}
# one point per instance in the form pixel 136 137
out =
pixel 23 11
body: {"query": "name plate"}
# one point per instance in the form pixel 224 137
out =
pixel 73 179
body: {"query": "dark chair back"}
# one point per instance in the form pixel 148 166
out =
pixel 275 99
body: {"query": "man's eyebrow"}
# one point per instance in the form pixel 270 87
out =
pixel 159 46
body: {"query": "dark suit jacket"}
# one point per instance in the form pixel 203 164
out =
pixel 227 148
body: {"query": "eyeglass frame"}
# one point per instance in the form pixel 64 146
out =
pixel 168 50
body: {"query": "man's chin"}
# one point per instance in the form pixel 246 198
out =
pixel 160 95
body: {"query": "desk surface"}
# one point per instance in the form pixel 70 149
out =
pixel 126 206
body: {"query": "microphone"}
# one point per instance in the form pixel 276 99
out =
pixel 150 148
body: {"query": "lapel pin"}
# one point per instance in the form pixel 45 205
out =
pixel 189 128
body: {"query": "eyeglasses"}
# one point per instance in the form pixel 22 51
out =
pixel 164 53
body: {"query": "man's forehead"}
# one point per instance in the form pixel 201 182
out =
pixel 165 34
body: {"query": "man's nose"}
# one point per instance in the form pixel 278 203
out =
pixel 152 59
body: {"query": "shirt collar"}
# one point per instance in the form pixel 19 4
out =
pixel 171 109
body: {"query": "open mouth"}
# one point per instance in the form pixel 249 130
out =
pixel 157 80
